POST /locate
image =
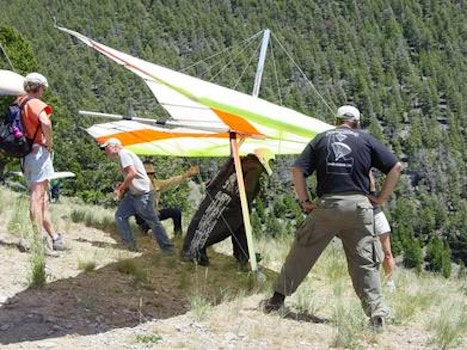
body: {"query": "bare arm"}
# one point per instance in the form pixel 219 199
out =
pixel 389 184
pixel 46 130
pixel 130 175
pixel 299 182
pixel 372 182
pixel 164 185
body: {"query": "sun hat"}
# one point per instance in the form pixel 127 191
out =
pixel 111 142
pixel 36 78
pixel 348 112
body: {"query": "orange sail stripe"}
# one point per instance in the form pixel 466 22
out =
pixel 236 123
pixel 140 136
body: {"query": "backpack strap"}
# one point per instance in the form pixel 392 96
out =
pixel 24 101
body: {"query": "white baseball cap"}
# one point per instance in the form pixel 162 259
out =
pixel 36 78
pixel 111 142
pixel 348 112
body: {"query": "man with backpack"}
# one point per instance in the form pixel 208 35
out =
pixel 37 165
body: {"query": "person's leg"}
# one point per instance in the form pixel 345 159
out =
pixel 207 226
pixel 310 241
pixel 176 215
pixel 124 211
pixel 36 204
pixel 193 226
pixel 144 206
pixel 363 253
pixel 144 228
pixel 46 219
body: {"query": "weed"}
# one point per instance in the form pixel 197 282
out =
pixel 38 275
pixel 86 266
pixel 450 325
pixel 148 338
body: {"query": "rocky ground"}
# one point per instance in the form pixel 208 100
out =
pixel 148 301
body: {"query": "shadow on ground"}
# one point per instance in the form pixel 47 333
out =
pixel 121 294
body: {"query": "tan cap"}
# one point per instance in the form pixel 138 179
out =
pixel 149 168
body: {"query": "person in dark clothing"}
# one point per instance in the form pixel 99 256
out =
pixel 342 159
pixel 220 214
pixel 162 185
pixel 54 190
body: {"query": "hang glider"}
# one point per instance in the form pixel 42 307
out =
pixel 207 113
pixel 207 120
pixel 56 174
pixel 11 83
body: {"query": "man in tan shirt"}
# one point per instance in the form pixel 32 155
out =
pixel 163 185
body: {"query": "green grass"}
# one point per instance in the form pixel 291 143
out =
pixel 86 266
pixel 148 338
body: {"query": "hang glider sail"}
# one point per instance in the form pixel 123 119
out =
pixel 207 114
pixel 208 119
pixel 11 83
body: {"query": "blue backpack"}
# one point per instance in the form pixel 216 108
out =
pixel 13 140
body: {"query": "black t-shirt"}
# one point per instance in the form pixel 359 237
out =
pixel 342 159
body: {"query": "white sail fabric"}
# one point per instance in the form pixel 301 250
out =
pixel 11 83
pixel 201 104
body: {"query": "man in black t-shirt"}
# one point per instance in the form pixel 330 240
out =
pixel 342 159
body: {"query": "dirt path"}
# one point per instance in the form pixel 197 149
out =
pixel 115 307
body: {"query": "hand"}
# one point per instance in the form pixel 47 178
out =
pixel 308 206
pixel 376 200
pixel 117 194
pixel 49 145
pixel 194 169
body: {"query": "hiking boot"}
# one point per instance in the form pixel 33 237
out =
pixel 376 324
pixel 58 243
pixel 47 250
pixel 186 256
pixel 391 285
pixel 168 251
pixel 144 229
pixel 202 258
pixel 243 266
pixel 270 305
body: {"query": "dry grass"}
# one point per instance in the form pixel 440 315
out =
pixel 428 311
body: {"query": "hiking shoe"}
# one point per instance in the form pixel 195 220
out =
pixel 144 229
pixel 58 243
pixel 47 250
pixel 376 324
pixel 270 305
pixel 168 251
pixel 391 285
pixel 186 256
pixel 243 266
pixel 201 258
pixel 133 248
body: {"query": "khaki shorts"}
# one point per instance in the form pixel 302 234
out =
pixel 38 165
pixel 381 224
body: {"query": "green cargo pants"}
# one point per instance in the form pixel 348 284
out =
pixel 350 217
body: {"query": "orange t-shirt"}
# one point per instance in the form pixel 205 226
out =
pixel 30 118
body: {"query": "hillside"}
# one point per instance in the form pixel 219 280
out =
pixel 146 300
pixel 401 62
